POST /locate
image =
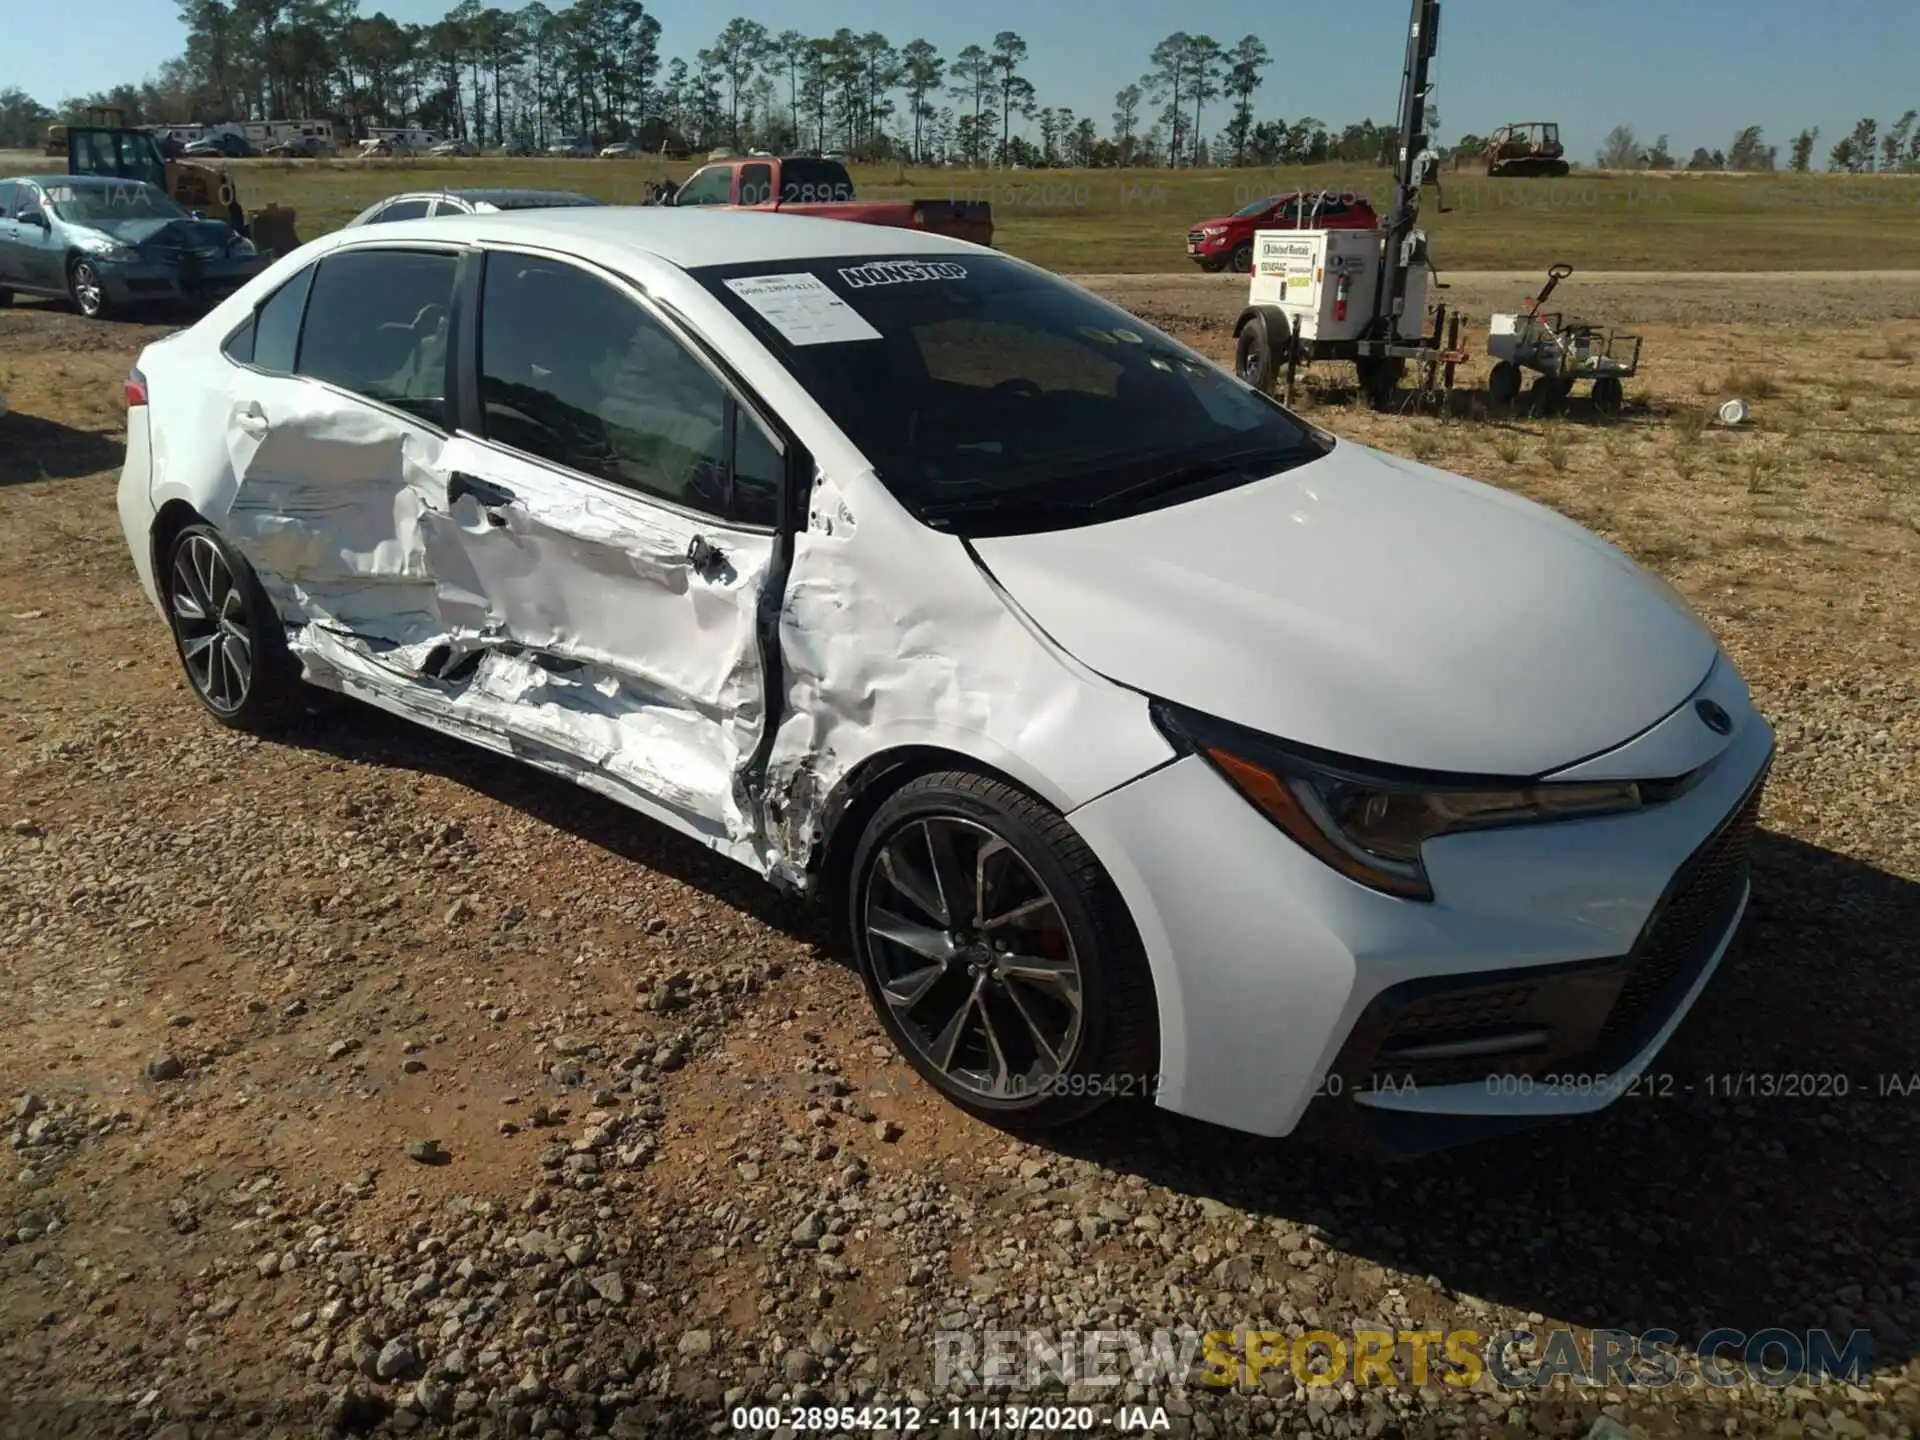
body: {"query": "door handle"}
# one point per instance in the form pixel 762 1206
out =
pixel 706 558
pixel 491 497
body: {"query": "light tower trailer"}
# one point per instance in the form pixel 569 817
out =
pixel 1358 295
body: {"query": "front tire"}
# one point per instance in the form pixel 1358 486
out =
pixel 227 634
pixel 997 953
pixel 1241 261
pixel 84 286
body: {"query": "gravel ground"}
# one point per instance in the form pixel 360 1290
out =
pixel 362 1082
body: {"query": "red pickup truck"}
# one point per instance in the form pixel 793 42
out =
pixel 805 185
pixel 1227 243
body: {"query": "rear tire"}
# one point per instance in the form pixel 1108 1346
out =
pixel 231 643
pixel 997 954
pixel 1609 395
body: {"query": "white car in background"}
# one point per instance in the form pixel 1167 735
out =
pixel 1148 739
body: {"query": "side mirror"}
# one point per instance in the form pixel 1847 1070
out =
pixel 35 218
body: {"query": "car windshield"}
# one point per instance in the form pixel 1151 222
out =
pixel 993 398
pixel 1258 207
pixel 102 204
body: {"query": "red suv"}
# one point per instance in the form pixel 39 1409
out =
pixel 1227 243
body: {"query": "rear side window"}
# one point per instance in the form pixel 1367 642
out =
pixel 575 372
pixel 404 210
pixel 376 324
pixel 806 182
pixel 276 329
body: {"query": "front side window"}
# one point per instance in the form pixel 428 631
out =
pixel 376 324
pixel 576 372
pixel 712 186
pixel 993 398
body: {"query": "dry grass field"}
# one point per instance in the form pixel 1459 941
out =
pixel 1135 221
pixel 359 936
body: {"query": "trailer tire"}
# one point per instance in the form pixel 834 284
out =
pixel 1549 393
pixel 1608 395
pixel 1503 385
pixel 1259 348
pixel 1380 379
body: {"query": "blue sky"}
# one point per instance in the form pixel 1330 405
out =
pixel 1694 69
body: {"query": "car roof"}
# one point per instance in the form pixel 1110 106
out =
pixel 76 182
pixel 509 198
pixel 686 239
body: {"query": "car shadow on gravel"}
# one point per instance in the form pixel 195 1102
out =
pixel 1769 1176
pixel 366 736
pixel 33 448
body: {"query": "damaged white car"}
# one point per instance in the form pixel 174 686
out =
pixel 1149 740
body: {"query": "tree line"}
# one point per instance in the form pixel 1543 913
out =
pixel 1865 150
pixel 596 69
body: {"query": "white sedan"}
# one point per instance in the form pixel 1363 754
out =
pixel 1146 739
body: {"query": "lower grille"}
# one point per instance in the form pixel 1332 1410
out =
pixel 1679 937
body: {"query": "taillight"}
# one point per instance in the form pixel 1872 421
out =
pixel 136 387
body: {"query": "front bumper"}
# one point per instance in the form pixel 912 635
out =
pixel 151 282
pixel 1281 983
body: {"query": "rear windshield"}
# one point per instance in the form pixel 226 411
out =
pixel 808 181
pixel 992 397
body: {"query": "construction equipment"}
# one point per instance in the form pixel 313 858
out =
pixel 1525 149
pixel 193 184
pixel 1561 353
pixel 1358 295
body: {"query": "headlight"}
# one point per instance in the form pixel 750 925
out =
pixel 1370 824
pixel 105 247
pixel 1213 232
pixel 240 245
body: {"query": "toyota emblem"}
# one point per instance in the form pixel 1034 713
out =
pixel 1714 717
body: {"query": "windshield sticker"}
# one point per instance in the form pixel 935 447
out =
pixel 901 272
pixel 803 309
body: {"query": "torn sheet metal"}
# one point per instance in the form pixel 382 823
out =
pixel 889 640
pixel 576 720
pixel 563 617
pixel 328 507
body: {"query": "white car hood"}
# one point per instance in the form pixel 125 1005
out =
pixel 1374 607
